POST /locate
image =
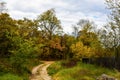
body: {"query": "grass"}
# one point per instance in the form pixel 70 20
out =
pixel 7 73
pixel 10 76
pixel 54 68
pixel 80 72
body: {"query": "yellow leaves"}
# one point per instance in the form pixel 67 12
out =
pixel 81 51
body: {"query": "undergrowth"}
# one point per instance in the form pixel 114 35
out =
pixel 81 71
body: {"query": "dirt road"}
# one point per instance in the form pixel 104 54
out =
pixel 40 72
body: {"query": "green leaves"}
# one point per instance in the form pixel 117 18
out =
pixel 48 23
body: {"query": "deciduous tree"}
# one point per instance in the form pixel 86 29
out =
pixel 49 24
pixel 114 26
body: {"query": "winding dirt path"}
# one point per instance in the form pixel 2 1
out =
pixel 40 72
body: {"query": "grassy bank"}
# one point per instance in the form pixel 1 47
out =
pixel 79 72
pixel 9 73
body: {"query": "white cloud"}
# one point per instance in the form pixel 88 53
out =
pixel 68 11
pixel 19 14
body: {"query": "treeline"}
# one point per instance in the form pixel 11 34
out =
pixel 24 42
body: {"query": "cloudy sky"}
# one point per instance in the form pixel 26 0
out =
pixel 68 11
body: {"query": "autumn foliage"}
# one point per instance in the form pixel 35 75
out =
pixel 23 41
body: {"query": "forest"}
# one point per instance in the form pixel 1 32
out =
pixel 26 42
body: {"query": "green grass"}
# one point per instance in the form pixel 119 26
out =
pixel 54 68
pixel 9 76
pixel 80 72
pixel 8 73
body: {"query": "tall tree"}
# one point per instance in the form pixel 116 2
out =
pixel 87 40
pixel 114 27
pixel 75 31
pixel 86 33
pixel 85 25
pixel 49 23
pixel 27 28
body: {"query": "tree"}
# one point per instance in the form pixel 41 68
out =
pixel 81 51
pixel 86 34
pixel 8 30
pixel 83 26
pixel 27 28
pixel 75 31
pixel 87 41
pixel 114 27
pixel 67 41
pixel 114 24
pixel 3 7
pixel 49 24
pixel 86 25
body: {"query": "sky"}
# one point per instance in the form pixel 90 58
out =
pixel 69 12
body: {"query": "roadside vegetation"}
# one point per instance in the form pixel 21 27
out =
pixel 80 71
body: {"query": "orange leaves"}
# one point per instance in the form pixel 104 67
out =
pixel 55 43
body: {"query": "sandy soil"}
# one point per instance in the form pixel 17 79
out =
pixel 40 72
